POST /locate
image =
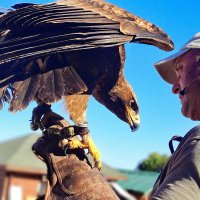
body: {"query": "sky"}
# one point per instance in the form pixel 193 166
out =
pixel 160 113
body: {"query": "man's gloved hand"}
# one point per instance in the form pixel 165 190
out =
pixel 70 177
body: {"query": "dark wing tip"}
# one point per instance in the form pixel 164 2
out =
pixel 146 32
pixel 162 42
pixel 21 5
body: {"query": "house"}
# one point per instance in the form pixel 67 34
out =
pixel 23 175
pixel 139 183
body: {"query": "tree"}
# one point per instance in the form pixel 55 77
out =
pixel 154 162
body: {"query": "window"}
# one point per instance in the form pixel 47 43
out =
pixel 15 192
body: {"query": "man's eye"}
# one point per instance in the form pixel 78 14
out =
pixel 178 67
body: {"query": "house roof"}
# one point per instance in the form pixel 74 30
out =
pixel 138 181
pixel 111 173
pixel 17 154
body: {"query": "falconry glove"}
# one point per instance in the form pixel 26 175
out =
pixel 70 177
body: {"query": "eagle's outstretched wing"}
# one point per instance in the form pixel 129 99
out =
pixel 33 31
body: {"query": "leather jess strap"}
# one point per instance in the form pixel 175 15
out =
pixel 174 138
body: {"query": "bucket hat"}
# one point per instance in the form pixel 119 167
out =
pixel 165 67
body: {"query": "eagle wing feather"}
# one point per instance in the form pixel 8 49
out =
pixel 76 25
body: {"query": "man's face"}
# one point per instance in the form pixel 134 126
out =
pixel 187 69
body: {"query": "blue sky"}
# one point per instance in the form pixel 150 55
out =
pixel 159 108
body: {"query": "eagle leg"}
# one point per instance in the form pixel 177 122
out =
pixel 87 143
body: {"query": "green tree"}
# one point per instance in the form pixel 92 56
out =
pixel 154 162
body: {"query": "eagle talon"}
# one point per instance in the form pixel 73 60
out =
pixel 87 143
pixel 98 164
pixel 65 149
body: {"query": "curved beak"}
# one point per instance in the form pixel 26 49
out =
pixel 133 119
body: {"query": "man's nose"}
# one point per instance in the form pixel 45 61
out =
pixel 176 88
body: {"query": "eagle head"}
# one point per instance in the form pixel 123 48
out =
pixel 121 100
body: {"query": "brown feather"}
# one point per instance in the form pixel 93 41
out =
pixel 76 106
pixel 101 25
pixel 46 90
pixel 73 84
pixel 24 93
pixel 130 24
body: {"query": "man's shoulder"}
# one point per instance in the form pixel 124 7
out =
pixel 189 147
pixel 193 134
pixel 182 168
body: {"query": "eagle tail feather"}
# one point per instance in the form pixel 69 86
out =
pixel 73 82
pixel 24 93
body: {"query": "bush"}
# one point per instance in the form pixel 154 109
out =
pixel 154 162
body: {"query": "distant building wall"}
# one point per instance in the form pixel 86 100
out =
pixel 29 185
pixel 20 186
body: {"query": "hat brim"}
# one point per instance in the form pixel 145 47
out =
pixel 165 67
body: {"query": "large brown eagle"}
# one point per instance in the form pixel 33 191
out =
pixel 72 49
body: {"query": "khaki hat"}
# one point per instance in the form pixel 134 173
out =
pixel 165 67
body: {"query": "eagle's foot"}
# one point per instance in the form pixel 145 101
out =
pixel 87 143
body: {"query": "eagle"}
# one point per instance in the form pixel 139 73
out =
pixel 70 50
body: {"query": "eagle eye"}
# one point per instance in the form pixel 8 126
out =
pixel 134 105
